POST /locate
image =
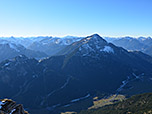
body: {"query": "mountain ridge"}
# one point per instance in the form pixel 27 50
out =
pixel 74 76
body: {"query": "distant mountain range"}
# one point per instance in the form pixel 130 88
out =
pixel 10 50
pixel 33 47
pixel 77 72
pixel 42 47
pixel 136 44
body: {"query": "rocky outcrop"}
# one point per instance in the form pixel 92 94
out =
pixel 8 106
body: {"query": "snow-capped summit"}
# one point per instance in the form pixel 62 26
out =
pixel 93 45
pixel 107 49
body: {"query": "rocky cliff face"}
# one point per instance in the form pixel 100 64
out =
pixel 8 106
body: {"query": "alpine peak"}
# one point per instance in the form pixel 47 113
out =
pixel 96 37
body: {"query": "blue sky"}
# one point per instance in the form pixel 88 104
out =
pixel 75 17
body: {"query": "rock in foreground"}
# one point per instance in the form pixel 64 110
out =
pixel 8 106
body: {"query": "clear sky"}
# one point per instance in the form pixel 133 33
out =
pixel 75 17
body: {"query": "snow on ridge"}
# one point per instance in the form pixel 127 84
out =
pixel 107 49
pixel 81 98
pixel 69 41
pixel 52 107
pixel 62 87
pixel 6 64
pixel 64 41
pixel 44 40
pixel 11 45
pixel 94 46
pixel 14 47
pixel 124 83
pixel 13 111
pixel 87 46
pixel 1 103
pixel 128 80
pixel 3 42
pixel 76 100
pixel 87 49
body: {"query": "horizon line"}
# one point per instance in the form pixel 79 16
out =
pixel 61 36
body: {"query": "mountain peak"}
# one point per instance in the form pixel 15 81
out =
pixel 96 37
pixel 94 45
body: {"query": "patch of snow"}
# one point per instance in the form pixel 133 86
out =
pixel 86 40
pixel 107 49
pixel 63 86
pixel 14 47
pixel 20 55
pixel 135 75
pixel 65 40
pixel 52 107
pixel 56 105
pixel 67 105
pixel 75 100
pixel 95 37
pixel 80 49
pixel 98 47
pixel 34 76
pixel 44 69
pixel 40 60
pixel 4 42
pixel 13 111
pixel 1 103
pixel 57 41
pixel 6 64
pixel 81 98
pixel 84 54
pixel 123 84
pixel 42 102
pixel 44 43
pixel 86 48
pixel 139 76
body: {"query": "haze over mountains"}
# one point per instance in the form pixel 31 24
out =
pixel 41 47
pixel 135 44
pixel 33 47
pixel 75 71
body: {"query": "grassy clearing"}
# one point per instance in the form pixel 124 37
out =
pixel 106 101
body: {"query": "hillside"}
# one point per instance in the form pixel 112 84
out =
pixel 138 104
